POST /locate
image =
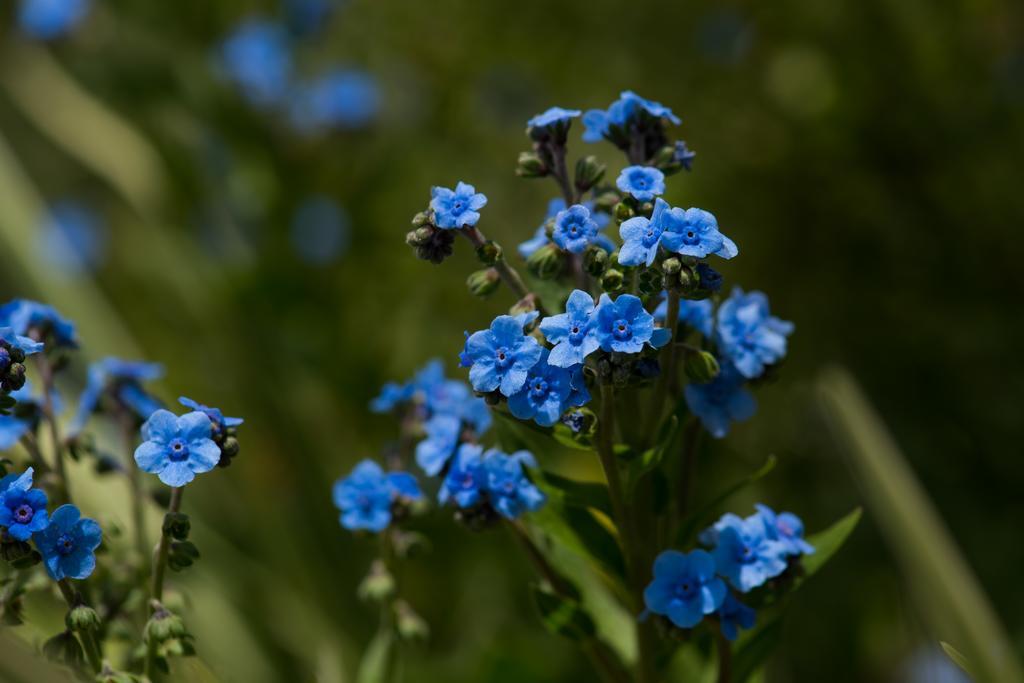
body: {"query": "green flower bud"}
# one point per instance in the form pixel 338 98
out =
pixel 612 280
pixel 176 525
pixel 378 585
pixel 164 625
pixel 671 265
pixel 489 253
pixel 411 626
pixel 595 260
pixel 421 219
pixel 623 212
pixel 482 283
pixel 530 165
pixel 183 555
pixel 82 618
pixel 588 173
pixel 701 367
pixel 228 450
pixel 688 280
pixel 528 304
pixel 606 201
pixel 419 236
pixel 664 157
pixel 547 262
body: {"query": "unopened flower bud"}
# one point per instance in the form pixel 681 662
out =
pixel 664 157
pixel 623 212
pixel 589 172
pixel 687 279
pixel 701 367
pixel 433 244
pixel 489 253
pixel 612 280
pixel 530 165
pixel 595 260
pixel 163 626
pixel 546 262
pixel 581 421
pixel 176 525
pixel 419 236
pixel 411 626
pixel 528 304
pixel 671 266
pixel 421 219
pixel 482 283
pixel 82 618
pixel 378 585
pixel 606 201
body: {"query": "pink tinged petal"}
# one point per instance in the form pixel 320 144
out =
pixel 162 426
pixel 194 426
pixel 151 456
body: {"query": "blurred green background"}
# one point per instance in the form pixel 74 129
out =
pixel 864 155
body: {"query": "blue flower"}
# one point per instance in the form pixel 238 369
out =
pixel 580 395
pixel 48 19
pixel 501 357
pixel 365 496
pixel 574 333
pixel 721 401
pixel 22 508
pixel 641 236
pixel 685 587
pixel 749 335
pixel 643 182
pixel 219 424
pixel 710 279
pixel 343 98
pixel 257 57
pixel 443 433
pixel 544 396
pixel 22 316
pixel 574 229
pixel 540 235
pixel 392 395
pixel 695 314
pixel 621 113
pixel 68 543
pixel 743 552
pixel 9 339
pixel 72 237
pixel 457 208
pixel 733 615
pixel 694 232
pixel 684 155
pixel 552 116
pixel 177 448
pixel 122 379
pixel 625 326
pixel 466 481
pixel 787 529
pixel 511 493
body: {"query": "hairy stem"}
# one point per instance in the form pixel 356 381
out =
pixel 46 375
pixel 156 589
pixel 90 644
pixel 668 370
pixel 509 275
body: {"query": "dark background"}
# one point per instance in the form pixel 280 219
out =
pixel 865 155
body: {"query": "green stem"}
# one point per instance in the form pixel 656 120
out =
pixel 135 481
pixel 88 636
pixel 688 474
pixel 32 446
pixel 46 375
pixel 509 275
pixel 724 659
pixel 668 369
pixel 156 590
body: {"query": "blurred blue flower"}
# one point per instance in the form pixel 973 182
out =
pixel 710 279
pixel 733 615
pixel 684 155
pixel 68 544
pixel 466 481
pixel 749 335
pixel 366 495
pixel 501 356
pixel 510 492
pixel 122 379
pixel 787 529
pixel 72 237
pixel 11 340
pixel 177 448
pixel 625 326
pixel 21 420
pixel 436 395
pixel 218 422
pixel 721 401
pixel 544 396
pixel 641 236
pixel 257 57
pixel 574 333
pixel 456 208
pixel 23 315
pixel 743 552
pixel 48 19
pixel 22 508
pixel 694 232
pixel 580 395
pixel 574 229
pixel 392 395
pixel 621 113
pixel 695 314
pixel 684 587
pixel 552 116
pixel 319 230
pixel 644 183
pixel 433 452
pixel 342 98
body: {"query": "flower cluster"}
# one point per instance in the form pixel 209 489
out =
pixel 745 552
pixel 482 482
pixel 370 498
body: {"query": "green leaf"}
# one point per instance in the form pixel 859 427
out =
pixel 581 493
pixel 563 616
pixel 552 293
pixel 565 436
pixel 514 434
pixel 578 530
pixel 957 657
pixel 375 666
pixel 702 517
pixel 755 650
pixel 828 542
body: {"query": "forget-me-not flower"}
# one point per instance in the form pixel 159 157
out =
pixel 684 587
pixel 257 57
pixel 219 423
pixel 621 113
pixel 553 116
pixel 433 452
pixel 545 395
pixel 22 420
pixel 683 155
pixel 721 401
pixel 49 19
pixel 694 232
pixel 466 481
pixel 786 528
pixel 574 229
pixel 177 448
pixel 540 235
pixel 123 380
pixel 23 316
pixel 22 508
pixel 641 236
pixel 624 325
pixel 500 357
pixel 456 208
pixel 696 314
pixel 644 183
pixel 511 492
pixel 733 615
pixel 744 554
pixel 68 544
pixel 343 98
pixel 749 335
pixel 366 495
pixel 710 279
pixel 574 333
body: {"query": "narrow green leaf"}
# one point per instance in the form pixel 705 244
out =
pixel 581 493
pixel 563 616
pixel 578 529
pixel 826 543
pixel 697 521
pixel 375 665
pixel 755 650
pixel 957 657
